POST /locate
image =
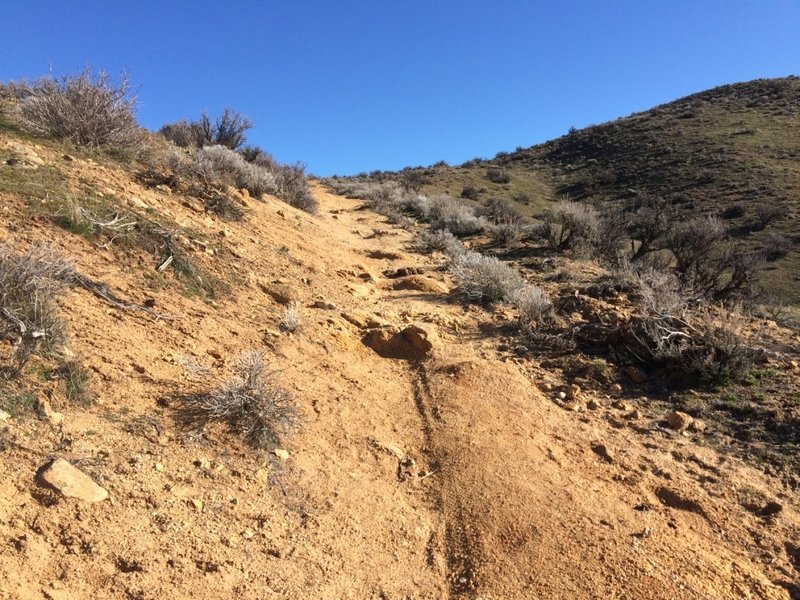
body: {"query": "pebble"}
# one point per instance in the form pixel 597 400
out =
pixel 281 453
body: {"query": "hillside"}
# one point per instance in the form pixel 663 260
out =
pixel 730 148
pixel 433 456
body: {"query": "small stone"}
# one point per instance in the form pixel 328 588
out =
pixel 70 481
pixel 573 391
pixel 562 395
pixel 321 304
pixel 196 504
pixel 636 375
pixel 573 405
pixel 159 467
pixel 68 158
pixel 698 425
pixel 603 452
pixel 164 189
pixel 203 463
pixel 282 294
pixel 679 421
pixel 634 415
pixel 547 387
pixel 261 475
pixel 592 404
pixel 622 405
pixel 616 389
pixel 44 411
pixel 281 453
pixel 248 534
pixel 794 365
pixel 138 203
pixel 4 416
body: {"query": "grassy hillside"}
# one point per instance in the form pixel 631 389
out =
pixel 729 151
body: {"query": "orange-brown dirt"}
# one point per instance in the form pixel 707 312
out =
pixel 443 473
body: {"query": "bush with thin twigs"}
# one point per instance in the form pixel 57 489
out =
pixel 569 225
pixel 500 212
pixel 250 403
pixel 87 111
pixel 292 187
pixel 470 192
pixel 777 246
pixel 448 213
pixel 534 306
pixel 290 319
pixel 443 241
pixel 484 279
pixel 227 130
pixel 497 175
pixel 30 283
pixel 767 213
pixel 220 164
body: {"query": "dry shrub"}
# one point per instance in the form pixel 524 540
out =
pixel 227 130
pixel 428 241
pixel 569 225
pixel 292 186
pixel 290 319
pixel 497 175
pixel 448 213
pixel 534 306
pixel 87 111
pixel 484 279
pixel 250 403
pixel 30 283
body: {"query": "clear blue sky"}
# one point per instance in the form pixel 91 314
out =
pixel 346 86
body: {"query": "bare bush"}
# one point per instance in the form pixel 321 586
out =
pixel 768 213
pixel 777 246
pixel 534 306
pixel 292 186
pixel 650 224
pixel 87 111
pixel 30 284
pixel 497 175
pixel 250 403
pixel 569 225
pixel 708 263
pixel 413 179
pixel 290 319
pixel 708 346
pixel 500 212
pixel 470 192
pixel 484 279
pixel 227 130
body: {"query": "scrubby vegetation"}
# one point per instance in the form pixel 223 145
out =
pixel 251 403
pixel 86 111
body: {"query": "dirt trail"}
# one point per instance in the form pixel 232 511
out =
pixel 452 476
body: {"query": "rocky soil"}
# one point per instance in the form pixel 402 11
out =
pixel 429 462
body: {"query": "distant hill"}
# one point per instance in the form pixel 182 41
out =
pixel 731 150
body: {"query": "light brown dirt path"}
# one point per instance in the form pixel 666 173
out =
pixel 444 478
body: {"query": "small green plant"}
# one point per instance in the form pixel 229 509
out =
pixel 15 402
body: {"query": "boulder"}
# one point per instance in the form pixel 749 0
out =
pixel 679 421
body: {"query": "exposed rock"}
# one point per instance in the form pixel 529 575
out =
pixel 573 391
pixel 635 375
pixel 70 481
pixel 622 405
pixel 44 411
pixel 698 425
pixel 68 158
pixel 411 343
pixel 322 304
pixel 402 272
pixel 679 421
pixel 616 389
pixel 138 203
pixel 282 294
pixel 363 320
pixel 281 453
pixel 420 283
pixel 4 416
pixel 164 189
pixel 592 404
pixel 603 452
pixel 384 255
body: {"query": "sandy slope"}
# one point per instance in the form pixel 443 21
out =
pixel 505 495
